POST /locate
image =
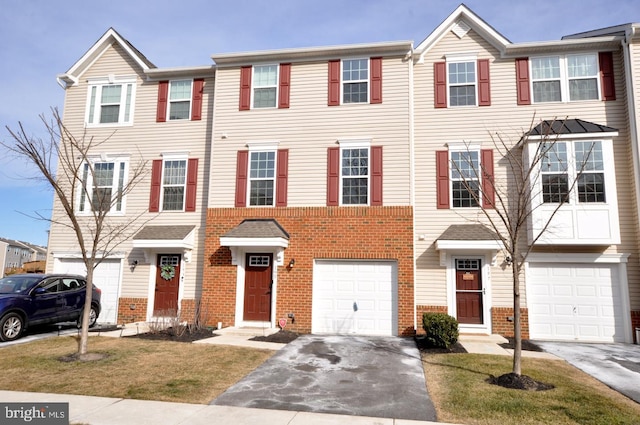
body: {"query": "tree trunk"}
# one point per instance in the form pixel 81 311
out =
pixel 84 333
pixel 517 334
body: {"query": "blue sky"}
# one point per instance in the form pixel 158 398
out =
pixel 43 38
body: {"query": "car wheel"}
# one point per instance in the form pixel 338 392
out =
pixel 93 318
pixel 11 326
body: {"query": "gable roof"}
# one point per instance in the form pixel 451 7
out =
pixel 257 228
pixel 111 36
pixel 463 19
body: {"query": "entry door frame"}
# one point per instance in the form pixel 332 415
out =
pixel 485 276
pixel 241 259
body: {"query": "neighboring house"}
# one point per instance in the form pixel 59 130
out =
pixel 161 117
pixel 14 254
pixel 318 186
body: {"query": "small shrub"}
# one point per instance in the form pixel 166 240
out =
pixel 441 329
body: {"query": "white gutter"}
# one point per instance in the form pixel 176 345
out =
pixel 412 181
pixel 631 107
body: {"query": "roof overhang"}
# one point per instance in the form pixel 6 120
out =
pixel 468 238
pixel 155 74
pixel 152 239
pixel 560 46
pixel 393 48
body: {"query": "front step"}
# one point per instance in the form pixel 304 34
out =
pixel 246 331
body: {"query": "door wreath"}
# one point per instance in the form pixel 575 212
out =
pixel 167 272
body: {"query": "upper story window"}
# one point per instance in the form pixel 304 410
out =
pixel 585 169
pixel 355 81
pixel 173 183
pixel 464 177
pixel 462 80
pixel 354 175
pixel 265 86
pixel 110 103
pixel 103 185
pixel 462 83
pixel 262 174
pixel 565 78
pixel 180 99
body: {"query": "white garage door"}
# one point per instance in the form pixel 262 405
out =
pixel 106 277
pixel 355 297
pixel 575 302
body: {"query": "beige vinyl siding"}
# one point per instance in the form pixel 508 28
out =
pixel 434 128
pixel 144 141
pixel 308 127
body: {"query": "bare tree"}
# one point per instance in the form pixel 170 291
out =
pixel 511 214
pixel 67 163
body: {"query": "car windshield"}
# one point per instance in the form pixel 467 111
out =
pixel 17 284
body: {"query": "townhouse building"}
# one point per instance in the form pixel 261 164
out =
pixel 320 188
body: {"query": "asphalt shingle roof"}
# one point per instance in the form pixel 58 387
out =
pixel 468 232
pixel 164 232
pixel 257 228
pixel 571 126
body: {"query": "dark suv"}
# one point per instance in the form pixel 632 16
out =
pixel 33 299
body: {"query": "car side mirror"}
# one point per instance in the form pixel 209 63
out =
pixel 39 291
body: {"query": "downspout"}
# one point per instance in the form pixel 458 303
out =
pixel 412 179
pixel 631 103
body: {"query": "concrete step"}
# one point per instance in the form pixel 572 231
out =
pixel 248 332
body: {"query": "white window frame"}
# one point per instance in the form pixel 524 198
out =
pixel 352 145
pixel 169 157
pixel 126 104
pixel 255 86
pixel 180 100
pixel 120 180
pixel 456 59
pixel 258 179
pixel 464 148
pixel 344 82
pixel 564 78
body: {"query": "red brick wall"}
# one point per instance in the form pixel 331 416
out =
pixel 501 325
pixel 381 233
pixel 635 323
pixel 132 310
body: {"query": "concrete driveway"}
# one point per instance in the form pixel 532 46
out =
pixel 616 365
pixel 348 375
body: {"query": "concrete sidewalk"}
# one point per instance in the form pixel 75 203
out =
pixel 116 411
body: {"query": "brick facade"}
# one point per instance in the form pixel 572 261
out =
pixel 370 233
pixel 132 310
pixel 502 321
pixel 421 309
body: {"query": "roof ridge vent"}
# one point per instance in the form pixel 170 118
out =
pixel 460 28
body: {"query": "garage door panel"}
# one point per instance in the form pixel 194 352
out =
pixel 574 302
pixel 364 295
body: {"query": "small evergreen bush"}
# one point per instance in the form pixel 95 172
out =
pixel 441 329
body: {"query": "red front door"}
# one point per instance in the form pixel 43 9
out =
pixel 469 292
pixel 257 287
pixel 167 284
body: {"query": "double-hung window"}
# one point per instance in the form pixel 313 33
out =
pixel 174 181
pixel 355 175
pixel 110 103
pixel 465 178
pixel 180 99
pixel 262 174
pixel 265 86
pixel 462 82
pixel 585 170
pixel 355 81
pixel 565 78
pixel 103 184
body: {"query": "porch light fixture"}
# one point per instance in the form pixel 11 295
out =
pixel 292 263
pixel 508 260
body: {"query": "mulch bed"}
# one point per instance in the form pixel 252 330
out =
pixel 282 337
pixel 425 348
pixel 519 382
pixel 170 335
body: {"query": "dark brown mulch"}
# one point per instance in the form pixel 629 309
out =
pixel 526 345
pixel 282 337
pixel 170 335
pixel 519 382
pixel 422 345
